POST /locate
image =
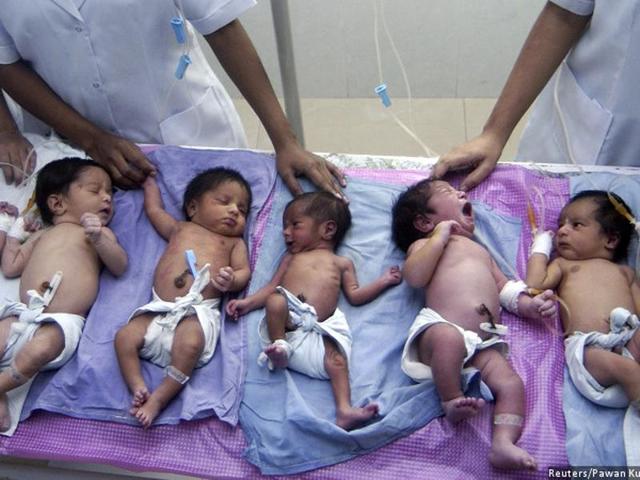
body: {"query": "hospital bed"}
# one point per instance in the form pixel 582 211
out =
pixel 252 431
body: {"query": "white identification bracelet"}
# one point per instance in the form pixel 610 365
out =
pixel 510 293
pixel 542 243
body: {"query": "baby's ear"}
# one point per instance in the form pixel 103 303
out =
pixel 56 204
pixel 613 239
pixel 191 209
pixel 423 223
pixel 328 229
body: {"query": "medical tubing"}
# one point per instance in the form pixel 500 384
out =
pixel 396 53
pixel 407 130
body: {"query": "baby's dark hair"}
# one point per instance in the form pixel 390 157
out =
pixel 611 221
pixel 56 177
pixel 411 203
pixel 322 207
pixel 210 180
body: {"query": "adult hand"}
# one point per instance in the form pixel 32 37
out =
pixel 480 154
pixel 123 159
pixel 14 150
pixel 293 161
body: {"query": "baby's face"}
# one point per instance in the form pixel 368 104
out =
pixel 579 235
pixel 91 192
pixel 447 203
pixel 222 210
pixel 301 232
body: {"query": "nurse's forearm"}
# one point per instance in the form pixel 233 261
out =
pixel 552 36
pixel 32 93
pixel 237 55
pixel 7 123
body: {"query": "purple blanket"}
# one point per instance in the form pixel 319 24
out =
pixel 90 385
pixel 210 448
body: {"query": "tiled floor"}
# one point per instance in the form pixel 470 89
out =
pixel 362 125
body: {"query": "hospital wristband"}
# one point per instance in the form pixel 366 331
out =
pixel 542 243
pixel 18 231
pixel 510 293
pixel 6 222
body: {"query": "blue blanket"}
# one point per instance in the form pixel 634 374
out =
pixel 288 418
pixel 594 433
pixel 90 384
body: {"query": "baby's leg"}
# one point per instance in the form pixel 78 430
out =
pixel 610 368
pixel 277 318
pixel 128 343
pixel 508 390
pixel 5 330
pixel 347 416
pixel 47 343
pixel 442 347
pixel 188 344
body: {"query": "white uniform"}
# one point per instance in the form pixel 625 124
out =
pixel 597 92
pixel 114 62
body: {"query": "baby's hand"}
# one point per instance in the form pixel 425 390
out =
pixel 223 279
pixel 24 226
pixel 92 226
pixel 32 222
pixel 393 276
pixel 446 228
pixel 541 306
pixel 8 215
pixel 238 307
pixel 9 209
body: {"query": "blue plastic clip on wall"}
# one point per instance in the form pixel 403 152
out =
pixel 178 28
pixel 183 63
pixel 381 90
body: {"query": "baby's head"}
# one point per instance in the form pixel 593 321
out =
pixel 425 204
pixel 590 227
pixel 314 218
pixel 219 199
pixel 70 187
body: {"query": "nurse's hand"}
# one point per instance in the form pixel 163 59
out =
pixel 293 161
pixel 14 150
pixel 479 154
pixel 123 159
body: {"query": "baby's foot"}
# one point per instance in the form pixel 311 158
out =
pixel 356 416
pixel 278 355
pixel 508 456
pixel 148 412
pixel 140 396
pixel 5 417
pixel 460 408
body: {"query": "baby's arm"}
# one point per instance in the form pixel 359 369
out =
pixel 358 295
pixel 635 290
pixel 540 273
pixel 514 296
pixel 236 276
pixel 164 223
pixel 242 306
pixel 106 244
pixel 423 255
pixel 16 255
